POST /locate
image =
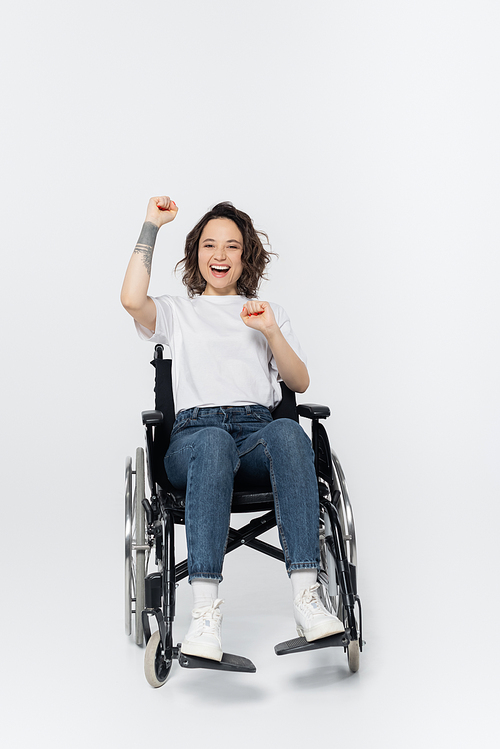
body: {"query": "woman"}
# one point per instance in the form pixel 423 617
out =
pixel 229 351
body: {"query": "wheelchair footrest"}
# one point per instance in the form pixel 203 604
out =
pixel 300 644
pixel 229 662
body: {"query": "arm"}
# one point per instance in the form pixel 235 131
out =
pixel 134 295
pixel 293 371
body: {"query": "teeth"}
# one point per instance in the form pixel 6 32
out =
pixel 220 267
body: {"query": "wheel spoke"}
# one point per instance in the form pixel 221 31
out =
pixel 331 593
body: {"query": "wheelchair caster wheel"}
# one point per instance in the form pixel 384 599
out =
pixel 156 668
pixel 353 655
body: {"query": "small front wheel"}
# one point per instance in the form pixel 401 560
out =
pixel 156 668
pixel 353 655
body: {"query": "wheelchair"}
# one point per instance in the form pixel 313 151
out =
pixel 150 525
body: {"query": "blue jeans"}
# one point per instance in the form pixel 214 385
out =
pixel 208 446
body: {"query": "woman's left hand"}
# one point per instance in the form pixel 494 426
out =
pixel 259 316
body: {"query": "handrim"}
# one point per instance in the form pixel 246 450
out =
pixel 128 545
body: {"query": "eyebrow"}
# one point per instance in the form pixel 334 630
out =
pixel 229 241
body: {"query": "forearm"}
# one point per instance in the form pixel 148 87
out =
pixel 292 369
pixel 136 283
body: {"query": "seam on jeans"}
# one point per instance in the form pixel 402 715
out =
pixel 296 566
pixel 259 442
pixel 276 506
pixel 203 576
pixel 303 566
pixel 176 452
pixel 227 537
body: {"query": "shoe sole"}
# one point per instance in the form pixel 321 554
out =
pixel 202 651
pixel 325 630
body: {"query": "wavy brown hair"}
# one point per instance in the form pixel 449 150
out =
pixel 254 257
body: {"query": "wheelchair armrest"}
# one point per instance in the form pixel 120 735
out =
pixel 313 411
pixel 152 418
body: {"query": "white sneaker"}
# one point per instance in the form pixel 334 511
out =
pixel 312 619
pixel 203 638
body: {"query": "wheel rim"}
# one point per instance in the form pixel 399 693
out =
pixel 345 511
pixel 331 592
pixel 139 538
pixel 128 546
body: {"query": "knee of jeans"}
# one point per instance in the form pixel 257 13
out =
pixel 289 432
pixel 288 435
pixel 215 443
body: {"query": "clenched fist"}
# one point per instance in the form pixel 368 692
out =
pixel 259 316
pixel 161 210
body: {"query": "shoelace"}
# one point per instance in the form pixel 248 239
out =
pixel 210 616
pixel 309 596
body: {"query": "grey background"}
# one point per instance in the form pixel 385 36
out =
pixel 363 137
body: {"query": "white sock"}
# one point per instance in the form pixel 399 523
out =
pixel 205 592
pixel 302 579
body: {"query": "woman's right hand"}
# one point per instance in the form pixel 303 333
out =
pixel 161 210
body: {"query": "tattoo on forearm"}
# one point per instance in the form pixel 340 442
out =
pixel 146 243
pixel 147 255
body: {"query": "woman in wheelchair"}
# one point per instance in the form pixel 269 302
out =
pixel 229 351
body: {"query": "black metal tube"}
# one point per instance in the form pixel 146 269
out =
pixel 181 570
pixel 315 443
pixel 168 579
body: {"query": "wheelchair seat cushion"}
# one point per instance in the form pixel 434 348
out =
pixel 251 499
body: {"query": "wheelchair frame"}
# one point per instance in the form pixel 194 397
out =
pixel 150 524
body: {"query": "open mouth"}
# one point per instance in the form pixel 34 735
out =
pixel 219 271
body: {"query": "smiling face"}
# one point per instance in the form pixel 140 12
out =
pixel 219 256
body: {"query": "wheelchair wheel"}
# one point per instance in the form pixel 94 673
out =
pixel 140 541
pixel 128 545
pixel 135 559
pixel 156 668
pixel 345 511
pixel 330 591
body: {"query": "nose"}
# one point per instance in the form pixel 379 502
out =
pixel 220 254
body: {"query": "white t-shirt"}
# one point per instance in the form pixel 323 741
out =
pixel 216 359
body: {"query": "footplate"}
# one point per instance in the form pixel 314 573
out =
pixel 300 644
pixel 229 662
